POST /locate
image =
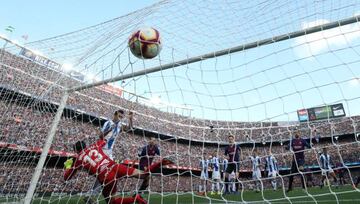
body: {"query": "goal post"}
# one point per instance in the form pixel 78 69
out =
pixel 45 149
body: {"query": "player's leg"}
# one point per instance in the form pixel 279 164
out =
pixel 333 175
pixel 201 184
pixel 300 169
pixel 123 170
pixel 357 181
pixel 312 182
pixel 254 181
pixel 109 189
pixel 225 182
pixel 145 182
pixel 309 182
pixel 233 185
pixel 129 200
pixel 228 171
pixel 200 187
pixel 273 180
pixel 218 186
pixel 341 180
pixel 296 167
pixel 237 181
pixel 323 177
pixel 212 186
pixel 274 184
pixel 205 184
pixel 222 178
pixel 258 180
pixel 216 179
pixel 291 177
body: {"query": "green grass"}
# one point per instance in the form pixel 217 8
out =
pixel 343 194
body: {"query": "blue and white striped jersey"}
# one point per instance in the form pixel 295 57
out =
pixel 271 164
pixel 255 163
pixel 116 128
pixel 224 164
pixel 204 164
pixel 325 161
pixel 215 163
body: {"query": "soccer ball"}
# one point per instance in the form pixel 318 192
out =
pixel 145 43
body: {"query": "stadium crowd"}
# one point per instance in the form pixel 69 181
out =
pixel 28 125
pixel 47 84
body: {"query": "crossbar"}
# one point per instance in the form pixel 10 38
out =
pixel 239 48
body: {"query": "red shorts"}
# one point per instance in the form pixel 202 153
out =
pixel 110 178
pixel 116 172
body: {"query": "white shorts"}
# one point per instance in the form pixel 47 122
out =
pixel 272 174
pixel 256 174
pixel 215 175
pixel 325 171
pixel 232 176
pixel 204 175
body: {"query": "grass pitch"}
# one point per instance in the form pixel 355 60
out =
pixel 344 194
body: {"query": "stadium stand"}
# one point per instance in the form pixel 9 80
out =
pixel 29 79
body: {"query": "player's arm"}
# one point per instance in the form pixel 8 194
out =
pixel 289 147
pixel 70 169
pixel 306 144
pixel 101 143
pixel 330 162
pixel 276 164
pixel 321 162
pixel 157 151
pixel 105 130
pixel 102 135
pixel 210 164
pixel 131 115
pixel 142 153
pixel 129 125
pixel 240 150
pixel 265 164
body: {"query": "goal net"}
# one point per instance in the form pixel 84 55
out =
pixel 260 72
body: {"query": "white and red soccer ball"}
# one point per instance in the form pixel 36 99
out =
pixel 145 43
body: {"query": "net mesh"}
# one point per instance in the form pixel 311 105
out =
pixel 192 109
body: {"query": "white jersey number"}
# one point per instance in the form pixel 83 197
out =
pixel 93 153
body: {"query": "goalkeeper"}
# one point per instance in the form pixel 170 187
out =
pixel 110 131
pixel 107 172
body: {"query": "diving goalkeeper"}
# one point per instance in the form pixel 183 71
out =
pixel 97 163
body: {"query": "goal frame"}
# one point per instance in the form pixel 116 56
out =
pixel 243 47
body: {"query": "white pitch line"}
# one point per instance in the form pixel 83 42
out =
pixel 278 202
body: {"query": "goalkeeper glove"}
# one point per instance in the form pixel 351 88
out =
pixel 68 163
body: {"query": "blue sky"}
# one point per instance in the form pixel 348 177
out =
pixel 42 18
pixel 266 83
